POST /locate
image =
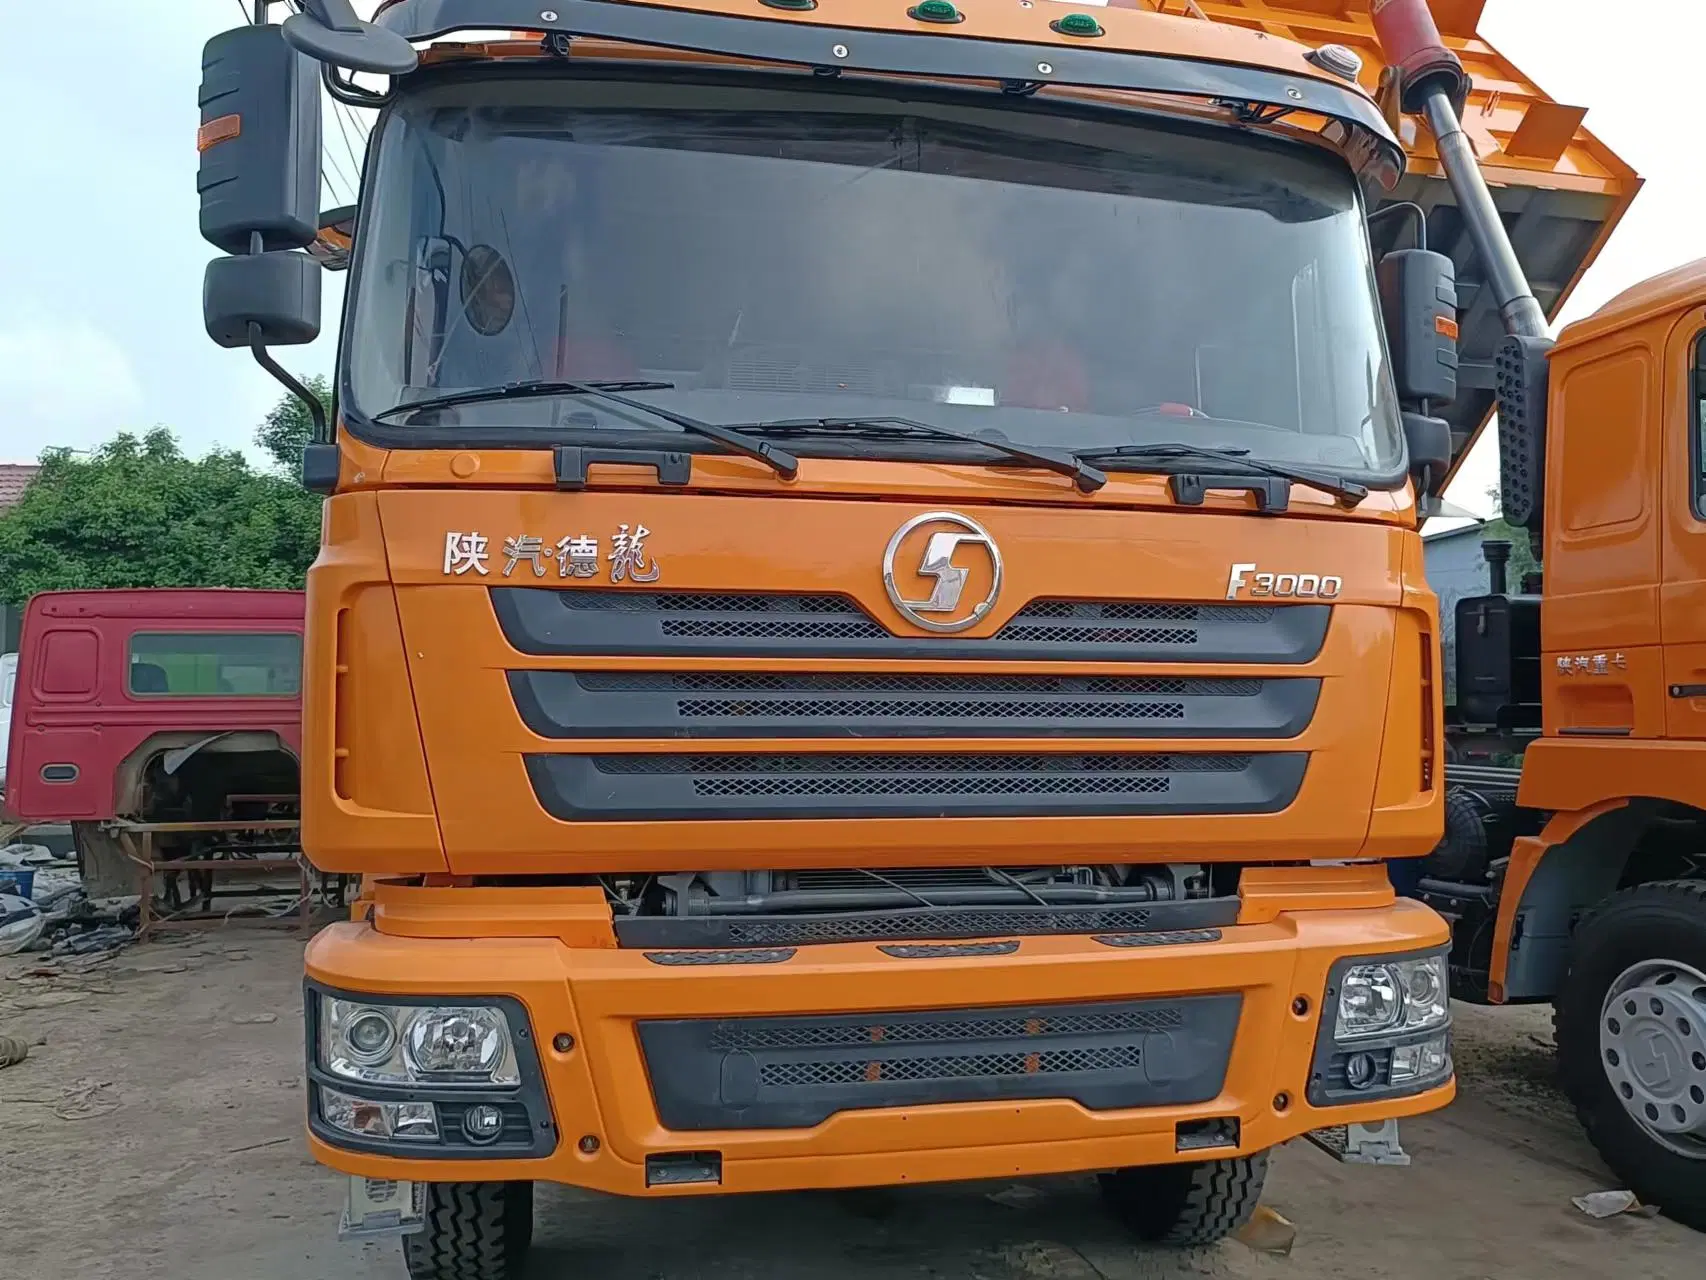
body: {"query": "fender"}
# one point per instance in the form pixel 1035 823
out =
pixel 1577 860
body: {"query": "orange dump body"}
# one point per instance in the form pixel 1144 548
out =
pixel 814 682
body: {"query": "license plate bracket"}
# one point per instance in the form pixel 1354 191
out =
pixel 375 1208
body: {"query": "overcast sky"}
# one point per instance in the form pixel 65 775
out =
pixel 101 262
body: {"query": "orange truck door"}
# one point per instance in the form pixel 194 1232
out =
pixel 1683 595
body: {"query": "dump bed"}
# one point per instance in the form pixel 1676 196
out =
pixel 1561 190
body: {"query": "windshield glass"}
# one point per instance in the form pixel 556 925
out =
pixel 1077 282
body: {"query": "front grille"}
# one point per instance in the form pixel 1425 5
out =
pixel 963 1025
pixel 1126 622
pixel 591 704
pixel 548 621
pixel 906 784
pixel 956 1067
pixel 920 923
pixel 923 773
pixel 746 1073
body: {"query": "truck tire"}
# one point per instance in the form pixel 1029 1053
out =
pixel 474 1231
pixel 1186 1204
pixel 1630 1023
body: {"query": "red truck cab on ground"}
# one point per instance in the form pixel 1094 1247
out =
pixel 155 705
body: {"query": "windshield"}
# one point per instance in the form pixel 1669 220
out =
pixel 1057 280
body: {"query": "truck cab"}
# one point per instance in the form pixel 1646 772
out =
pixel 152 705
pixel 1570 868
pixel 870 622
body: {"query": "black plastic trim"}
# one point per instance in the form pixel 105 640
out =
pixel 948 950
pixel 530 1094
pixel 1322 1090
pixel 756 1073
pixel 923 923
pixel 772 955
pixel 885 784
pixel 744 704
pixel 553 622
pixel 964 57
pixel 1166 938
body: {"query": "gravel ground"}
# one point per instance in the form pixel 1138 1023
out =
pixel 155 1130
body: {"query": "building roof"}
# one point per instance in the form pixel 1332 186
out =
pixel 14 479
pixel 1440 535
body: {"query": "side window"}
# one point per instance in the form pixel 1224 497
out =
pixel 214 664
pixel 1697 392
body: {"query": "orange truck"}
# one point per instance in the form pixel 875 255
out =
pixel 870 625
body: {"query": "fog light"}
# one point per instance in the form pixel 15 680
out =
pixel 1360 1071
pixel 1413 1062
pixel 482 1123
pixel 408 1121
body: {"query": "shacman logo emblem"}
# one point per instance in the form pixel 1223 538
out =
pixel 939 562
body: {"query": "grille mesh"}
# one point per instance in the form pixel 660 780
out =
pixel 860 682
pixel 1120 1057
pixel 922 1029
pixel 923 773
pixel 707 602
pixel 754 616
pixel 777 931
pixel 940 696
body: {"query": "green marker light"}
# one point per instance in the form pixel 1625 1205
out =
pixel 1077 24
pixel 935 11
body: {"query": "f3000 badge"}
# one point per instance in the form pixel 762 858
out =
pixel 1250 582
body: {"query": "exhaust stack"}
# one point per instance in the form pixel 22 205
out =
pixel 1434 85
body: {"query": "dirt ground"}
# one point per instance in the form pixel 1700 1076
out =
pixel 155 1130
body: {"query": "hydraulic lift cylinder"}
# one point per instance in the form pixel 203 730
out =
pixel 1434 85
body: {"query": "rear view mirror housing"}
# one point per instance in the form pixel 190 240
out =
pixel 1418 301
pixel 259 142
pixel 272 299
pixel 259 183
pixel 1429 441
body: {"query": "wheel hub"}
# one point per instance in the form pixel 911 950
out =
pixel 1652 1042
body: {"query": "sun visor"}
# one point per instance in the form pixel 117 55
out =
pixel 1257 95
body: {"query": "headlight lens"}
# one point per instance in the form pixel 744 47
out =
pixel 416 1044
pixel 1413 1062
pixel 456 1042
pixel 1393 996
pixel 366 1119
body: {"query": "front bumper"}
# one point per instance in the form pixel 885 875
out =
pixel 592 1011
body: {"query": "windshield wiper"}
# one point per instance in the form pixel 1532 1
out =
pixel 1237 461
pixel 780 461
pixel 1086 477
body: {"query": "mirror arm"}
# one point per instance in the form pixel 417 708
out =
pixel 310 401
pixel 349 92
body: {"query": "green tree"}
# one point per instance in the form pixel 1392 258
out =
pixel 289 426
pixel 139 513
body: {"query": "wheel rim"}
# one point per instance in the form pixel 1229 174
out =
pixel 1652 1047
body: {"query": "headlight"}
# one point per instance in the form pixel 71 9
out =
pixel 416 1044
pixel 457 1042
pixel 1391 997
pixel 410 1121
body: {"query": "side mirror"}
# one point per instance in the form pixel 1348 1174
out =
pixel 1418 300
pixel 1429 440
pixel 330 32
pixel 1521 379
pixel 259 142
pixel 278 292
